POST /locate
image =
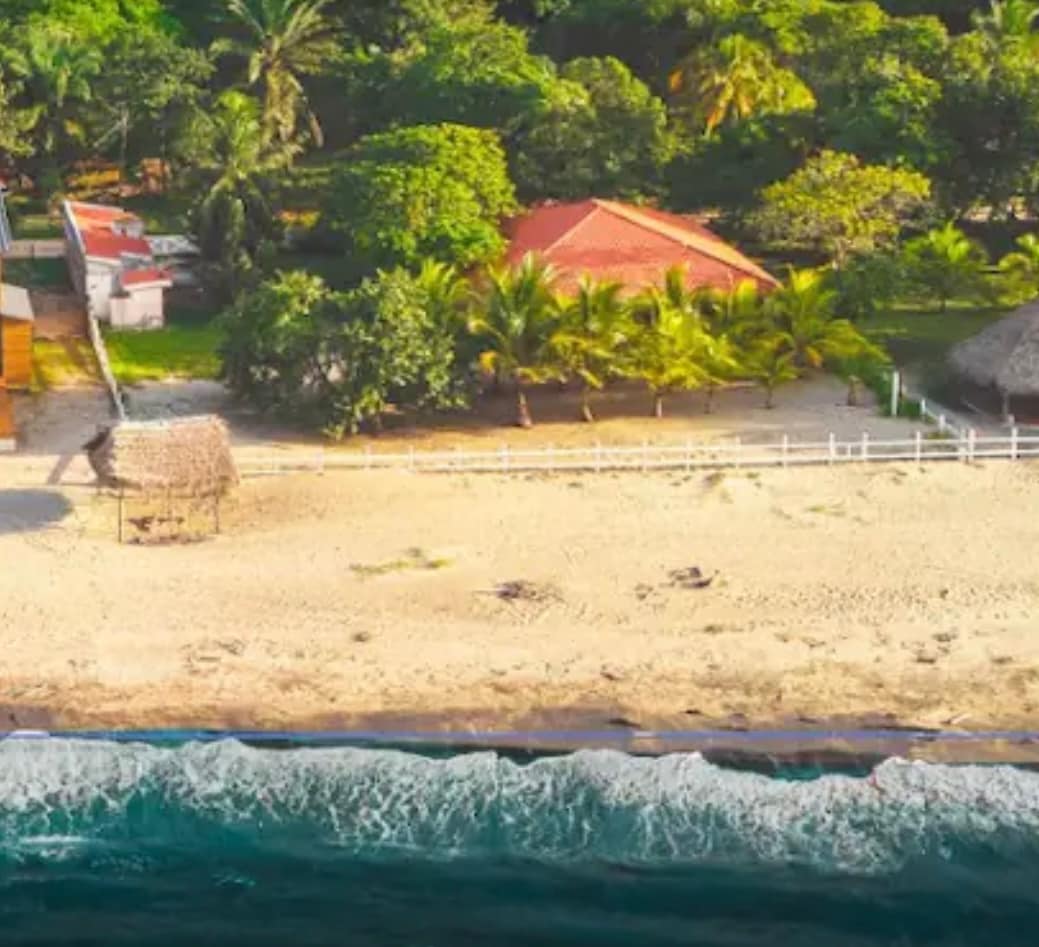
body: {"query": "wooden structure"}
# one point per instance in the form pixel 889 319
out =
pixel 16 333
pixel 173 474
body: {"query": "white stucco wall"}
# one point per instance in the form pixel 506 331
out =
pixel 139 309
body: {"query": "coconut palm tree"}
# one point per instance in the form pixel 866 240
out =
pixel 517 318
pixel 286 40
pixel 671 353
pixel 770 362
pixel 945 263
pixel 803 309
pixel 732 317
pixel 1010 20
pixel 234 217
pixel 594 329
pixel 58 74
pixel 734 79
pixel 1023 264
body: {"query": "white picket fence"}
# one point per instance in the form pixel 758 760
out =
pixel 967 447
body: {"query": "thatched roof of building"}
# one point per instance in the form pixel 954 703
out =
pixel 189 456
pixel 1005 356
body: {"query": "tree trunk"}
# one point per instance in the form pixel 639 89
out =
pixel 586 405
pixel 523 418
pixel 770 395
pixel 709 405
pixel 658 404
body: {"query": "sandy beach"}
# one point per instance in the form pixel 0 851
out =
pixel 882 594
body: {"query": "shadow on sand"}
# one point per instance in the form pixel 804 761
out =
pixel 25 511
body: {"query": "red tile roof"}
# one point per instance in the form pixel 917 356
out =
pixel 111 246
pixel 151 274
pixel 607 240
pixel 95 223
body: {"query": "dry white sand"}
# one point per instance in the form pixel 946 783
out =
pixel 860 592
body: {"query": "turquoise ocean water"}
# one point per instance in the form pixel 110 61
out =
pixel 112 844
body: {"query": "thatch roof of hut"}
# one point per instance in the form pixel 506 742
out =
pixel 188 456
pixel 1005 356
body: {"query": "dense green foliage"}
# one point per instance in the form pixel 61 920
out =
pixel 392 136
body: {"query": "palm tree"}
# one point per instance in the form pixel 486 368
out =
pixel 287 39
pixel 234 217
pixel 732 317
pixel 518 318
pixel 1010 20
pixel 734 79
pixel 805 327
pixel 1023 264
pixel 770 362
pixel 671 353
pixel 59 74
pixel 803 309
pixel 594 328
pixel 945 262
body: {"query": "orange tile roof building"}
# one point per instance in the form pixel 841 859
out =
pixel 112 266
pixel 635 246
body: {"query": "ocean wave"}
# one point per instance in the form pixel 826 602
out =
pixel 65 795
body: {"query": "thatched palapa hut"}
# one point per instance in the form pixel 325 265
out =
pixel 184 457
pixel 1003 361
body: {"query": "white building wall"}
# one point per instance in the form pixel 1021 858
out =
pixel 100 284
pixel 138 309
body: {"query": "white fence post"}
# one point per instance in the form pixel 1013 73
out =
pixel 919 446
pixel 1013 443
pixel 865 445
pixel 941 424
pixel 786 449
pixel 923 408
pixel 833 447
pixel 971 443
pixel 896 392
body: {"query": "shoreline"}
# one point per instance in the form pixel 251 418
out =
pixel 769 751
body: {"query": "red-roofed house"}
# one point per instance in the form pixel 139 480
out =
pixel 112 266
pixel 635 246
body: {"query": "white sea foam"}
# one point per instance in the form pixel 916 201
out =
pixel 591 805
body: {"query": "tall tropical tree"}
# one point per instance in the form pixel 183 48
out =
pixel 234 217
pixel 734 79
pixel 285 41
pixel 945 263
pixel 517 319
pixel 58 74
pixel 594 329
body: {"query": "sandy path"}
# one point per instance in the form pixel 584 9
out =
pixel 844 591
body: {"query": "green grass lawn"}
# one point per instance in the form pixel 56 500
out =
pixel 924 337
pixel 177 351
